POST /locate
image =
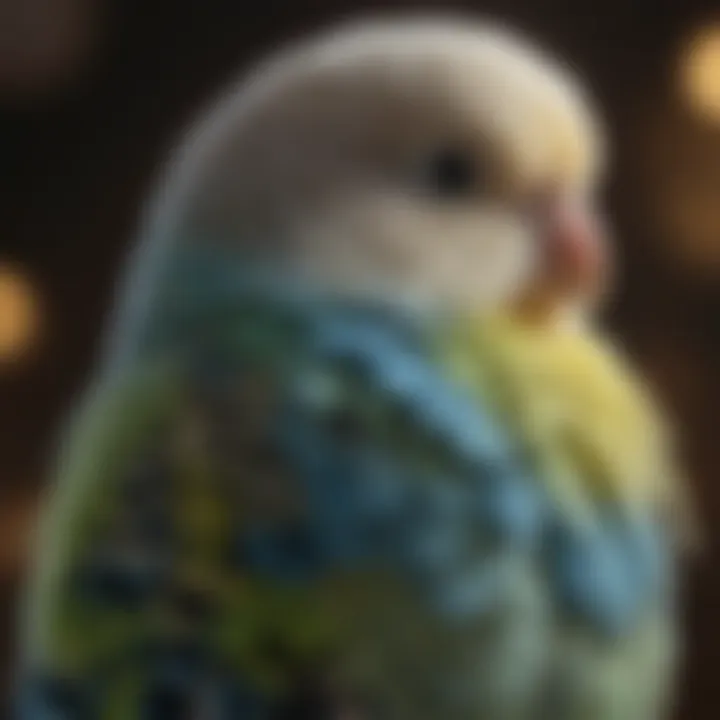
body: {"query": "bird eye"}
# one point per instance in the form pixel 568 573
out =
pixel 450 173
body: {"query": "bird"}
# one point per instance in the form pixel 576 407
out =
pixel 356 446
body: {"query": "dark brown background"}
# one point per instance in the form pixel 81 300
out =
pixel 93 94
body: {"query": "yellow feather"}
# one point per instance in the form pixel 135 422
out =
pixel 585 418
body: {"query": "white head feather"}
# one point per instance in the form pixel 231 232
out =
pixel 320 163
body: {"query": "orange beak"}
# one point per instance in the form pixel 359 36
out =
pixel 574 248
pixel 574 262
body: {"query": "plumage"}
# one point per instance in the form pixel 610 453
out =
pixel 294 491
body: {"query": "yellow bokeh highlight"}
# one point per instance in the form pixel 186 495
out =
pixel 19 314
pixel 700 72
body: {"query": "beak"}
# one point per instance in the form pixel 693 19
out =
pixel 573 256
pixel 573 248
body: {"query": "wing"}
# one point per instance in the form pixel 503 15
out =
pixel 300 484
pixel 301 490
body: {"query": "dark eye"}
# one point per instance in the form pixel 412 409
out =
pixel 451 173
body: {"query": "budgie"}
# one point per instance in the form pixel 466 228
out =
pixel 355 449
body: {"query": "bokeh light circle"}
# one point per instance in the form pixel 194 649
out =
pixel 700 72
pixel 19 314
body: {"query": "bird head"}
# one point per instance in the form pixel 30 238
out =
pixel 434 161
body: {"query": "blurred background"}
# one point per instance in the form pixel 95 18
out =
pixel 94 93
